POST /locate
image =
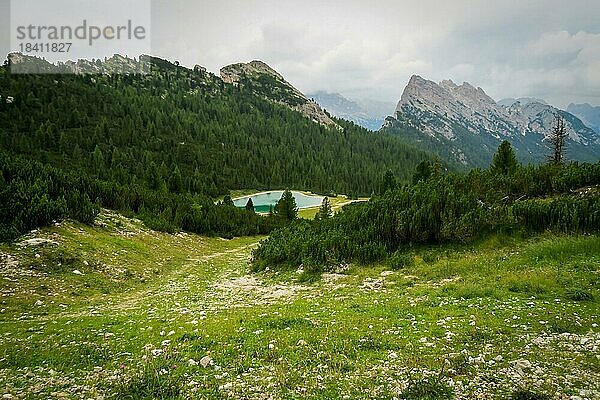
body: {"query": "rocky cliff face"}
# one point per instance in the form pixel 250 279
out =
pixel 268 83
pixel 472 124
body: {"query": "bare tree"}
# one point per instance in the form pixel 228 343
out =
pixel 557 140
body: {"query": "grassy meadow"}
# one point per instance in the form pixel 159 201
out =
pixel 117 311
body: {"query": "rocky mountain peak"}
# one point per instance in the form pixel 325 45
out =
pixel 264 81
pixel 234 72
pixel 467 117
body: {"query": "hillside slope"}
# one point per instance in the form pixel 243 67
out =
pixel 183 122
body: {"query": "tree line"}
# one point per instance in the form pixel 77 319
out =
pixel 443 208
pixel 33 194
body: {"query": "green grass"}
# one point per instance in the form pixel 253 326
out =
pixel 336 204
pixel 505 318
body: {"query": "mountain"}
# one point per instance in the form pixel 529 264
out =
pixel 464 124
pixel 148 129
pixel 366 114
pixel 588 114
pixel 264 81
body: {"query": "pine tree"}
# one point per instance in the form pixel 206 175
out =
pixel 154 179
pixel 325 211
pixel 388 182
pixel 504 161
pixel 422 171
pixel 250 205
pixel 286 206
pixel 176 181
pixel 227 201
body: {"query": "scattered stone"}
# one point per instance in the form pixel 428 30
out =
pixel 35 242
pixel 77 272
pixel 522 364
pixel 206 361
pixel 39 303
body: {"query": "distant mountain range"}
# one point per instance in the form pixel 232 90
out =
pixel 369 114
pixel 462 123
pixel 588 114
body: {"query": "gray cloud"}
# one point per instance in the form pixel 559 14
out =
pixel 369 49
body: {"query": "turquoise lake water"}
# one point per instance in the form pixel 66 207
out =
pixel 263 201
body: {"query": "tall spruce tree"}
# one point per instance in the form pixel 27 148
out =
pixel 504 161
pixel 227 201
pixel 388 182
pixel 325 211
pixel 250 205
pixel 286 207
pixel 422 171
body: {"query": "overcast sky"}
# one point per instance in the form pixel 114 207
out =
pixel 369 49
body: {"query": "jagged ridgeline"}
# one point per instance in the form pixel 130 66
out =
pixel 219 136
pixel 462 123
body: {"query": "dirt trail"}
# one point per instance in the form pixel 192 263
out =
pixel 181 279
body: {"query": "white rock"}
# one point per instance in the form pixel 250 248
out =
pixel 301 342
pixel 206 361
pixel 77 272
pixel 522 364
pixel 192 362
pixel 39 303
